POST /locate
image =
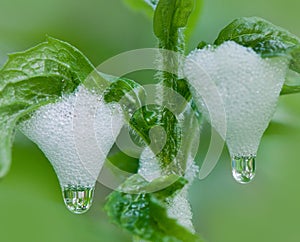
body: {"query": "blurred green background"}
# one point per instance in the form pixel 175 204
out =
pixel 32 209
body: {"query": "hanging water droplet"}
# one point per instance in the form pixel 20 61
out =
pixel 78 199
pixel 243 168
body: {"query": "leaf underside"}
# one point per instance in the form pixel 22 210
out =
pixel 268 40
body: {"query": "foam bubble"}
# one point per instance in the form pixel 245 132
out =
pixel 178 207
pixel 75 133
pixel 149 166
pixel 248 87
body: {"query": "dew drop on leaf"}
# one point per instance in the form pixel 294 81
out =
pixel 243 168
pixel 78 199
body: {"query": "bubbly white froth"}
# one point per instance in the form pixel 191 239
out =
pixel 178 207
pixel 149 166
pixel 248 87
pixel 75 133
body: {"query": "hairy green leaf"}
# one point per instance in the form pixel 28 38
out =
pixel 169 17
pixel 127 93
pixel 262 36
pixel 34 78
pixel 268 40
pixel 147 117
pixel 145 214
pixel 143 118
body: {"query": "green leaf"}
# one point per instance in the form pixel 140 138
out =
pixel 142 118
pixel 169 17
pixel 202 45
pixel 147 6
pixel 149 116
pixel 262 36
pixel 34 78
pixel 268 40
pixel 145 214
pixel 193 19
pixel 127 93
pixel 123 161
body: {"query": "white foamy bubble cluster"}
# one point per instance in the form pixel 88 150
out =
pixel 248 87
pixel 76 134
pixel 178 207
pixel 149 166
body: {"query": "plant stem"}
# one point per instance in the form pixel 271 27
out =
pixel 170 61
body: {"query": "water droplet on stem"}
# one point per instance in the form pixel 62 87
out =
pixel 243 168
pixel 78 199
